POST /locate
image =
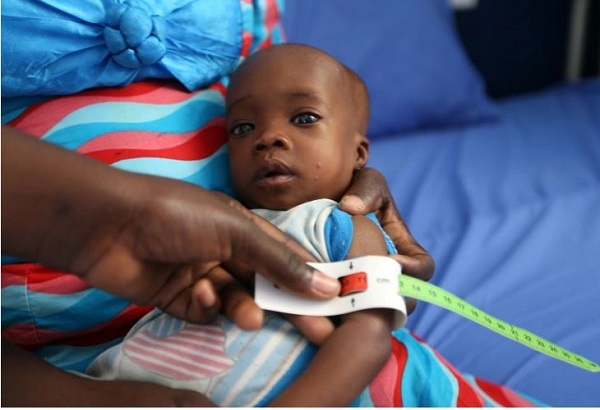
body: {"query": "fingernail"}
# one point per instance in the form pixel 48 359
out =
pixel 206 295
pixel 325 284
pixel 354 202
pixel 208 299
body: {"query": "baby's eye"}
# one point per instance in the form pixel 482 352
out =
pixel 241 129
pixel 305 118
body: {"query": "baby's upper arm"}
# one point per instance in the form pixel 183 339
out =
pixel 368 238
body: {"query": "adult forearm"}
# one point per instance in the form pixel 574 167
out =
pixel 52 199
pixel 28 381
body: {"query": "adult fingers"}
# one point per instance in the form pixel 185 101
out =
pixel 270 229
pixel 413 257
pixel 282 266
pixel 239 306
pixel 368 193
pixel 420 266
pixel 237 302
pixel 416 263
pixel 315 328
pixel 186 294
pixel 259 246
pixel 415 260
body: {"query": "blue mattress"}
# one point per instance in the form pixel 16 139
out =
pixel 510 211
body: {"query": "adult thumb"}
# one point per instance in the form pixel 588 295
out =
pixel 280 265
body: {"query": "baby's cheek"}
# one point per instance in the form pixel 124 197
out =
pixel 308 168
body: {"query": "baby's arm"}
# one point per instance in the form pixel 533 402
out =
pixel 355 352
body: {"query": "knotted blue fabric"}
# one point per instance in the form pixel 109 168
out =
pixel 133 37
pixel 52 47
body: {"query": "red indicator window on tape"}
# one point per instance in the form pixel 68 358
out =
pixel 353 283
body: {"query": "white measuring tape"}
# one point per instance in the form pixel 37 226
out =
pixel 376 282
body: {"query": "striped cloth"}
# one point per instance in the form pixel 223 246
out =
pixel 230 366
pixel 180 350
pixel 240 369
pixel 418 376
pixel 149 127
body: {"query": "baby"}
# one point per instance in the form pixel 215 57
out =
pixel 297 120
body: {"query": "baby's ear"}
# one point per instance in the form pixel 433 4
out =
pixel 362 151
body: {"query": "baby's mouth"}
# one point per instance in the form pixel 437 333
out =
pixel 273 174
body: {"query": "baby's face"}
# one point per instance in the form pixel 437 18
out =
pixel 292 137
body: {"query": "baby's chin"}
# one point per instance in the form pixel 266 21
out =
pixel 275 205
pixel 275 202
pixel 282 204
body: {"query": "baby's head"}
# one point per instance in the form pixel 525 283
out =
pixel 297 120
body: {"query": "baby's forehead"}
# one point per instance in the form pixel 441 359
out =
pixel 301 68
pixel 298 53
pixel 286 59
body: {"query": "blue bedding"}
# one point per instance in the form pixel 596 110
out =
pixel 510 211
pixel 505 195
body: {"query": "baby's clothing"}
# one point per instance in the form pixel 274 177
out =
pixel 238 368
pixel 230 366
pixel 321 227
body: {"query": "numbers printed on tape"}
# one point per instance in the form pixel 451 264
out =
pixel 367 282
pixel 427 292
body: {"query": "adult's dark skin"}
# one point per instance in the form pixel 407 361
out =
pixel 370 193
pixel 156 242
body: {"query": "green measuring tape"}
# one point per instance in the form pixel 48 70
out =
pixel 365 283
pixel 418 289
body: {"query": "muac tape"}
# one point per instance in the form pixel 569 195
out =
pixel 368 282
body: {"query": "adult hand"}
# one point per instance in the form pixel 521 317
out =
pixel 239 306
pixel 152 240
pixel 236 292
pixel 370 193
pixel 144 238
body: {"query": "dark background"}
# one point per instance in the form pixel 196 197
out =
pixel 521 45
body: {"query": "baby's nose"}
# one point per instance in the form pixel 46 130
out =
pixel 271 139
